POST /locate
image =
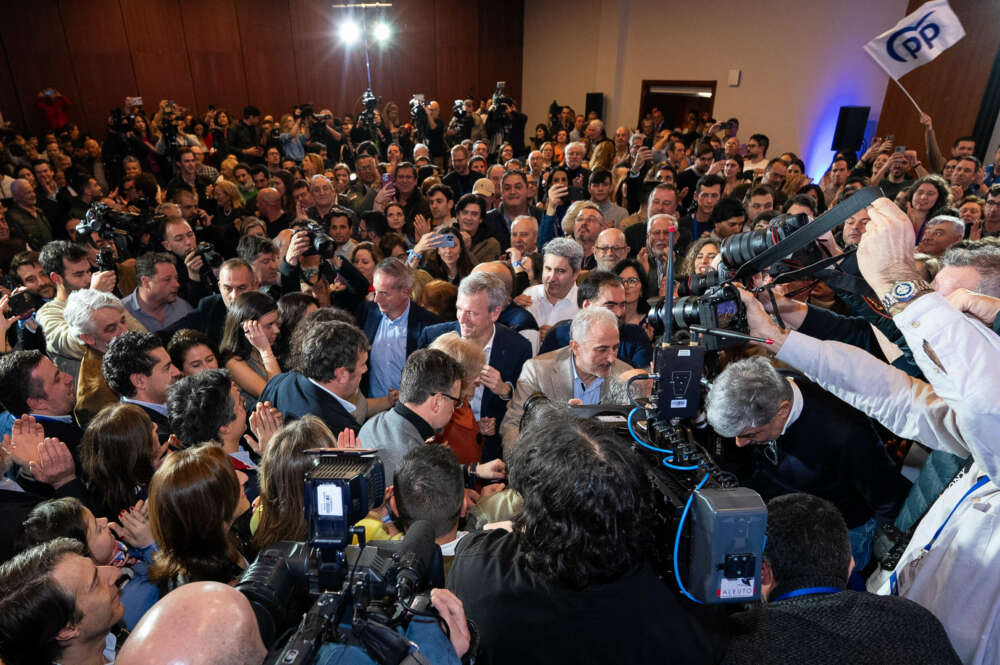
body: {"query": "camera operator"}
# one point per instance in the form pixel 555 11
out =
pixel 571 583
pixel 218 624
pixel 326 129
pixel 807 441
pixel 245 139
pixel 946 567
pixel 810 616
pixel 505 124
pixel 465 123
pixel 179 240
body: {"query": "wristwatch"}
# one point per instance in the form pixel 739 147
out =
pixel 903 292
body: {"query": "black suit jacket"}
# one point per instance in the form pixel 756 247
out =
pixel 508 354
pixel 497 224
pixel 369 317
pixel 15 506
pixel 295 396
pixel 162 423
pixel 209 317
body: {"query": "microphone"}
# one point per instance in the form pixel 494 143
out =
pixel 416 556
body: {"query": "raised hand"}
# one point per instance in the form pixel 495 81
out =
pixel 54 465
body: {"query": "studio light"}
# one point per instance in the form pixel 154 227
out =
pixel 381 32
pixel 349 32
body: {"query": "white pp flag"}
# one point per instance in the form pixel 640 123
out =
pixel 917 39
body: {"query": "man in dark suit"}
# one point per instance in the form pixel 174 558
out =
pixel 481 298
pixel 392 324
pixel 334 358
pixel 810 442
pixel 30 383
pixel 137 367
pixel 514 203
pixel 236 276
pixel 604 289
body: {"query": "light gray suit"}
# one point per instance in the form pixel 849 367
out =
pixel 549 373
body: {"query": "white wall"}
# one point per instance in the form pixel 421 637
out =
pixel 801 60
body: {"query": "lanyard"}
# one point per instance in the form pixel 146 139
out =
pixel 979 483
pixel 808 591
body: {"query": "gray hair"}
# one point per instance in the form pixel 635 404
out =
pixel 80 308
pixel 985 258
pixel 746 394
pixel 597 123
pixel 397 270
pixel 649 222
pixel 477 282
pixel 316 178
pixel 529 218
pixel 636 135
pixel 587 318
pixel 957 225
pixel 569 217
pixel 567 248
pixel 577 144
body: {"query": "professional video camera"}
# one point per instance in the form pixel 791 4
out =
pixel 126 229
pixel 458 109
pixel 718 558
pixel 352 594
pixel 121 122
pixel 500 104
pixel 710 304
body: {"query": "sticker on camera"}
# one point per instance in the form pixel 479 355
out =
pixel 740 587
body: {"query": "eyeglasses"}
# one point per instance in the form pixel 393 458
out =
pixel 456 400
pixel 631 281
pixel 609 248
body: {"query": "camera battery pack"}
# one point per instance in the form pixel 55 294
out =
pixel 727 540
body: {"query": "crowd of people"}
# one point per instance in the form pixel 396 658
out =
pixel 192 301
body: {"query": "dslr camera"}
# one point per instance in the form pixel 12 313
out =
pixel 322 243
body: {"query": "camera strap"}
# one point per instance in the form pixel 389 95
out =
pixel 826 222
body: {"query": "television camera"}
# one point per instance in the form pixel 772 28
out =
pixel 718 558
pixel 125 229
pixel 328 591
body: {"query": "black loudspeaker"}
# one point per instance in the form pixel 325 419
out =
pixel 850 130
pixel 595 103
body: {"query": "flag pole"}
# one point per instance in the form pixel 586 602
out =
pixel 908 95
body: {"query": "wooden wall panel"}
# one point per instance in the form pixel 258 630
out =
pixel 457 29
pixel 271 53
pixel 501 34
pixel 159 54
pixel 95 33
pixel 39 58
pixel 951 87
pixel 268 57
pixel 10 103
pixel 212 37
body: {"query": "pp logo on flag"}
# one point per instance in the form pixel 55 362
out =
pixel 926 32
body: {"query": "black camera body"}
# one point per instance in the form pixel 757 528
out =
pixel 322 243
pixel 458 109
pixel 382 584
pixel 718 308
pixel 210 259
pixel 121 227
pixel 121 122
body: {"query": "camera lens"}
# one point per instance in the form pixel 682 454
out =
pixel 685 312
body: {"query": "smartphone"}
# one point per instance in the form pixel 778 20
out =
pixel 891 137
pixel 447 240
pixel 900 148
pixel 388 180
pixel 21 303
pixel 575 194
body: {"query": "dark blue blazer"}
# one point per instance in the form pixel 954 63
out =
pixel 517 318
pixel 634 346
pixel 369 317
pixel 509 353
pixel 497 225
pixel 295 396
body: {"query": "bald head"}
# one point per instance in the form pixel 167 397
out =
pixel 610 248
pixel 500 270
pixel 202 623
pixel 269 203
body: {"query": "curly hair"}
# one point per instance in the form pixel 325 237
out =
pixel 128 354
pixel 586 503
pixel 183 341
pixel 198 405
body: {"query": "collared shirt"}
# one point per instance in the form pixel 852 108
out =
pixel 343 402
pixel 68 418
pixel 476 403
pixel 797 404
pixel 589 395
pixel 173 312
pixel 159 408
pixel 347 249
pixel 388 353
pixel 547 314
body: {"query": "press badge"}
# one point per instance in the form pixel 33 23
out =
pixel 902 578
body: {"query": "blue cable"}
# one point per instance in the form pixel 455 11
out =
pixel 677 540
pixel 640 441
